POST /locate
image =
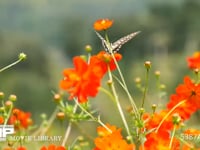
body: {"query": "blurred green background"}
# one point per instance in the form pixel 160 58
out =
pixel 51 32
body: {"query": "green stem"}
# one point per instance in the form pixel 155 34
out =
pixel 8 115
pixel 146 87
pixel 67 133
pixel 69 127
pixel 167 115
pixel 118 105
pixel 108 93
pixel 9 66
pixel 172 137
pixel 126 88
pixel 92 117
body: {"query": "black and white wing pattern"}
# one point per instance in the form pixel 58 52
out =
pixel 114 47
pixel 104 43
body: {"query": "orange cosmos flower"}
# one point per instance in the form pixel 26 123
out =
pixel 102 24
pixel 53 147
pixel 108 140
pixel 21 148
pixel 194 61
pixel 84 79
pixel 104 60
pixel 189 91
pixel 185 110
pixel 20 119
pixel 154 121
pixel 81 81
pixel 160 141
pixel 1 120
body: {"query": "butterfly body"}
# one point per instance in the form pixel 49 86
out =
pixel 114 47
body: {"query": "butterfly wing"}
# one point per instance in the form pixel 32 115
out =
pixel 104 43
pixel 118 44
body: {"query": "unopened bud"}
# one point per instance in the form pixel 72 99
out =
pixel 84 57
pixel 157 73
pixel 57 98
pixel 8 104
pixel 154 107
pixel 138 80
pixel 1 95
pixel 43 116
pixel 176 119
pixel 60 115
pixel 88 48
pixel 22 56
pixel 12 98
pixel 141 110
pixel 2 109
pixel 196 71
pixel 147 64
pixel 162 86
pixel 109 82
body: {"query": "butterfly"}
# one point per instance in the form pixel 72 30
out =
pixel 115 47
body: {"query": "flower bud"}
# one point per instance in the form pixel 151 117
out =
pixel 22 56
pixel 147 64
pixel 141 110
pixel 57 98
pixel 157 74
pixel 154 107
pixel 60 115
pixel 12 98
pixel 138 80
pixel 43 116
pixel 1 95
pixel 84 57
pixel 8 104
pixel 196 71
pixel 162 86
pixel 176 119
pixel 2 109
pixel 88 48
pixel 109 82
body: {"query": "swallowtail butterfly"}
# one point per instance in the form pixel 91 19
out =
pixel 114 47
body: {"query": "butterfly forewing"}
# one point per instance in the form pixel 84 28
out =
pixel 118 44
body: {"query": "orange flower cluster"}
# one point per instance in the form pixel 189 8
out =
pixel 53 147
pixel 194 61
pixel 190 92
pixel 159 138
pixel 84 79
pixel 181 106
pixel 111 140
pixel 102 24
pixel 20 119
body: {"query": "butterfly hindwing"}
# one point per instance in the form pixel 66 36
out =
pixel 104 43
